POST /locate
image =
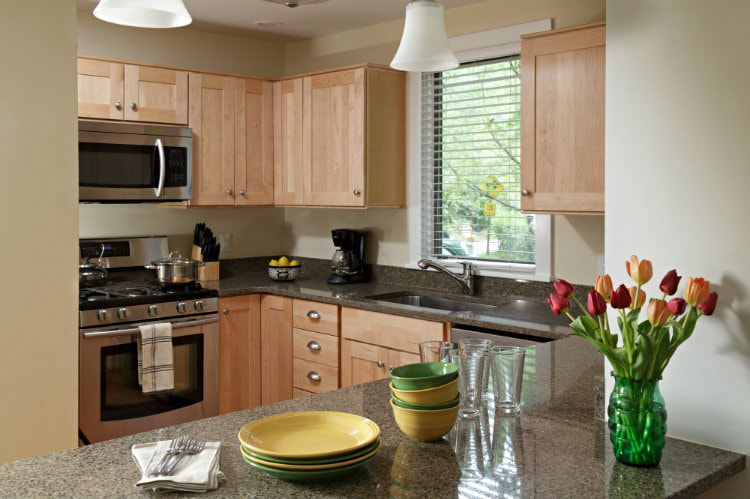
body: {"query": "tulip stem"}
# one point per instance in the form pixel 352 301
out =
pixel 580 305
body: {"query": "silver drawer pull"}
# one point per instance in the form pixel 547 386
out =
pixel 314 345
pixel 314 376
pixel 313 315
pixel 381 363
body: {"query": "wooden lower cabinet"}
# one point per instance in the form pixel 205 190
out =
pixel 313 377
pixel 297 393
pixel 239 353
pixel 362 362
pixel 276 348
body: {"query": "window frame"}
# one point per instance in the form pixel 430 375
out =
pixel 496 43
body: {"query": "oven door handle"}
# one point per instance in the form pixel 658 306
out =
pixel 162 167
pixel 212 319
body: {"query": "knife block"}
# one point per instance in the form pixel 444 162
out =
pixel 209 272
pixel 196 253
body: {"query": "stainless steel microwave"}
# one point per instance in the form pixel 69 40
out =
pixel 134 162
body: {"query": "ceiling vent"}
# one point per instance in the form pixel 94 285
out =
pixel 295 3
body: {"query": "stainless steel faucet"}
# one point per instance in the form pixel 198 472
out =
pixel 465 279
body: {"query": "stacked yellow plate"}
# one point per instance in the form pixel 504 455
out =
pixel 303 446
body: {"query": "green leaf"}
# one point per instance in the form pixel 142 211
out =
pixel 644 327
pixel 643 357
pixel 632 316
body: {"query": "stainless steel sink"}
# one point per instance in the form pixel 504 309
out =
pixel 432 302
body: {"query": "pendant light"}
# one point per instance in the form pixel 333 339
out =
pixel 144 13
pixel 424 44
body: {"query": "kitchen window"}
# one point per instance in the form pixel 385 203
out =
pixel 470 171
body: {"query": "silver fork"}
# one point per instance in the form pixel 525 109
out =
pixel 174 448
pixel 191 448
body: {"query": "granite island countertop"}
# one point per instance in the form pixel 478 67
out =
pixel 555 448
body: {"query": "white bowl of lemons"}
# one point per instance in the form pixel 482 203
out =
pixel 283 269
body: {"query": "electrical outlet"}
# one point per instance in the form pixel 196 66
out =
pixel 226 243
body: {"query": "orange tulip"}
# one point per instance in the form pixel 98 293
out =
pixel 641 298
pixel 604 286
pixel 641 271
pixel 696 290
pixel 658 313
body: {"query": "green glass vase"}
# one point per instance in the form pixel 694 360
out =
pixel 637 421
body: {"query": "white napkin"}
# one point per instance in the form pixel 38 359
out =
pixel 196 473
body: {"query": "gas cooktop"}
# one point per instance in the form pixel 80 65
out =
pixel 139 293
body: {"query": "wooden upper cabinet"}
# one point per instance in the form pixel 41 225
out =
pixel 287 109
pixel 239 353
pixel 253 142
pixel 212 119
pixel 562 120
pixel 156 95
pixel 100 89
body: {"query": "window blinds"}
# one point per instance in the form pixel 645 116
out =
pixel 471 164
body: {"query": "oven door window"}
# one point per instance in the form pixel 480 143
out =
pixel 121 396
pixel 117 165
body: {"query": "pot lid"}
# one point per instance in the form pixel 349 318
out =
pixel 176 258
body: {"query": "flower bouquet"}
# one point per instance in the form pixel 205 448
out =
pixel 637 417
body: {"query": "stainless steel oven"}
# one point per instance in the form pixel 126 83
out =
pixel 134 162
pixel 111 402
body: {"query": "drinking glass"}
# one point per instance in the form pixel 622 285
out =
pixel 478 344
pixel 470 367
pixel 435 351
pixel 507 377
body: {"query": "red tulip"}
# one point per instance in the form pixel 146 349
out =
pixel 709 304
pixel 677 306
pixel 620 297
pixel 562 287
pixel 596 304
pixel 558 304
pixel 670 282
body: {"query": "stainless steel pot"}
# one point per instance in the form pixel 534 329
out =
pixel 91 275
pixel 175 269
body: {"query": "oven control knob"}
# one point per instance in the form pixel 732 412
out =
pixel 152 310
pixel 123 313
pixel 182 307
pixel 102 315
pixel 198 305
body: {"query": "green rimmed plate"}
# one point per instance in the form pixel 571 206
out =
pixel 308 476
pixel 335 459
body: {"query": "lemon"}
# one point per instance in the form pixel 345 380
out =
pixel 283 262
pixel 294 263
pixel 273 263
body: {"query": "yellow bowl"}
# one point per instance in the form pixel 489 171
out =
pixel 429 396
pixel 425 425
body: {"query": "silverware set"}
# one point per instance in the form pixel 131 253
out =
pixel 179 448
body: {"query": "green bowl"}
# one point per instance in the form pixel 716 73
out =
pixel 423 375
pixel 418 407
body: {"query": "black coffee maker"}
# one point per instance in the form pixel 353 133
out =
pixel 348 262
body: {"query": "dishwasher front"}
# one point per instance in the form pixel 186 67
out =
pixel 498 337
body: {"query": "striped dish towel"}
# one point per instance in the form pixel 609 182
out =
pixel 155 365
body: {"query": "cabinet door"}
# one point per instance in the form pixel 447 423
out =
pixel 156 94
pixel 362 363
pixel 239 353
pixel 253 142
pixel 276 348
pixel 100 89
pixel 333 141
pixel 212 121
pixel 287 138
pixel 562 121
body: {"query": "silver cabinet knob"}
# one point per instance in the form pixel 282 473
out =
pixel 314 376
pixel 198 305
pixel 380 363
pixel 123 313
pixel 356 192
pixel 102 315
pixel 314 346
pixel 525 192
pixel 313 315
pixel 229 192
pixel 225 311
pixel 152 310
pixel 133 106
pixel 182 307
pixel 242 192
pixel 118 105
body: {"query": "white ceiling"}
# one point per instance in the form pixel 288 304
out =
pixel 306 21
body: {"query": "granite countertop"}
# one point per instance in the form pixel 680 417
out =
pixel 514 314
pixel 555 448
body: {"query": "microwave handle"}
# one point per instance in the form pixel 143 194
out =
pixel 162 167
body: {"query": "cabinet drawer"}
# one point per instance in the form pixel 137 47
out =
pixel 390 331
pixel 316 347
pixel 297 393
pixel 304 371
pixel 314 316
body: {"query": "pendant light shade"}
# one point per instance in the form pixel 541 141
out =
pixel 424 44
pixel 144 13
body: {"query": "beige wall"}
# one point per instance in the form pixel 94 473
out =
pixel 39 216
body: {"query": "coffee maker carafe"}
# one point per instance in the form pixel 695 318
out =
pixel 348 262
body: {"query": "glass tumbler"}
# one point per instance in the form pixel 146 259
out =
pixel 435 351
pixel 470 367
pixel 478 344
pixel 507 378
